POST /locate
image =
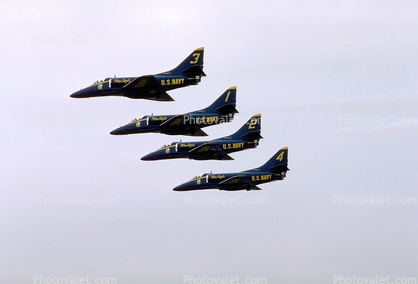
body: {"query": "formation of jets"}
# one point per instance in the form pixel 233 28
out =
pixel 222 110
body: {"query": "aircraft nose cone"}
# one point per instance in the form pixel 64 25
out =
pixel 117 131
pixel 125 130
pixel 78 94
pixel 179 188
pixel 148 157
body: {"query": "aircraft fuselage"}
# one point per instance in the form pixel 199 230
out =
pixel 212 181
pixel 182 149
pixel 169 124
pixel 115 86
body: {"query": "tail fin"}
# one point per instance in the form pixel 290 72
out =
pixel 192 65
pixel 277 163
pixel 225 104
pixel 251 130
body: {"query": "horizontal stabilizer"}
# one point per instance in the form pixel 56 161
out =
pixel 253 135
pixel 254 188
pixel 194 70
pixel 199 132
pixel 225 158
pixel 163 97
pixel 227 108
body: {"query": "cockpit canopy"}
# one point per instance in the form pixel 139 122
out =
pixel 168 144
pixel 198 177
pixel 136 119
pixel 100 81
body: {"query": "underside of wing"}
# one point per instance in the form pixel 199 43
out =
pixel 146 87
pixel 210 147
pixel 174 121
pixel 147 81
pixel 210 150
pixel 178 125
pixel 154 95
pixel 237 182
pixel 192 132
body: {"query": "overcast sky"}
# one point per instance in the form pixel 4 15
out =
pixel 335 81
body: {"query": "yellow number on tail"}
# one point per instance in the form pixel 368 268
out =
pixel 280 157
pixel 252 123
pixel 227 96
pixel 196 58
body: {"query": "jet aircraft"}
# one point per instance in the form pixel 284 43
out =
pixel 150 87
pixel 222 110
pixel 273 169
pixel 247 137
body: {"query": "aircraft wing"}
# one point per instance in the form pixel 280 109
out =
pixel 206 148
pixel 174 121
pixel 150 85
pixel 210 149
pixel 147 81
pixel 198 132
pixel 178 125
pixel 162 96
pixel 237 182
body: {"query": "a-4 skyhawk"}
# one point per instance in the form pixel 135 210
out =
pixel 247 137
pixel 150 87
pixel 273 169
pixel 220 111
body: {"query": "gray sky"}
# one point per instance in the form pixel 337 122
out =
pixel 335 81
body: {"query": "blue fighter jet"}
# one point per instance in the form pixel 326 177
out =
pixel 273 169
pixel 220 111
pixel 247 137
pixel 150 87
